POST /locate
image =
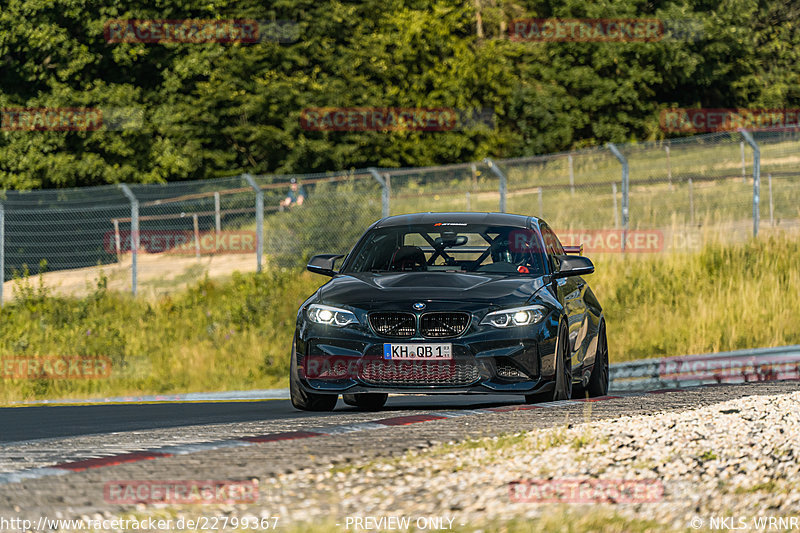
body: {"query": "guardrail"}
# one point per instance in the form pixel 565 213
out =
pixel 740 366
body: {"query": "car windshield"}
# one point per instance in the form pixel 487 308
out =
pixel 449 247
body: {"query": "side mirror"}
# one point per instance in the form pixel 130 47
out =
pixel 323 264
pixel 573 265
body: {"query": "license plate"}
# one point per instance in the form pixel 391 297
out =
pixel 417 352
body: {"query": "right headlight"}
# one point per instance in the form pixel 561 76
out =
pixel 332 316
pixel 517 316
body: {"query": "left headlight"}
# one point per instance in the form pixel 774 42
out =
pixel 518 316
pixel 332 316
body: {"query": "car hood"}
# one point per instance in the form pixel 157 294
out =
pixel 399 290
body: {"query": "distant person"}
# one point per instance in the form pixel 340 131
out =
pixel 295 196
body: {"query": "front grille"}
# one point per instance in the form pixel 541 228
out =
pixel 442 325
pixel 393 324
pixel 419 372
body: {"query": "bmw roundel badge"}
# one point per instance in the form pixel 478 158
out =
pixel 419 306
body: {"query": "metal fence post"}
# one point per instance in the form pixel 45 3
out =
pixel 474 170
pixel 217 221
pixel 134 235
pixel 386 195
pixel 744 166
pixel 503 182
pixel 2 250
pixel 541 203
pixel 117 242
pixel 669 167
pixel 385 191
pixel 756 177
pixel 771 205
pixel 625 191
pixel 571 176
pixel 196 227
pixel 259 220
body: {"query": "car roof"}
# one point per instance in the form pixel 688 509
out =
pixel 469 217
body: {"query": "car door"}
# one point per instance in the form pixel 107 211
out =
pixel 570 292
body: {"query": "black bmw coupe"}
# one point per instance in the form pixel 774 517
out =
pixel 450 303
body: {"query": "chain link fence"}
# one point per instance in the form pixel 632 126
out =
pixel 662 196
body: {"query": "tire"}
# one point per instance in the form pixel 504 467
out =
pixel 562 382
pixel 307 401
pixel 598 380
pixel 366 401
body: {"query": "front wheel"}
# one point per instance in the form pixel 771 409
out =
pixel 366 401
pixel 307 401
pixel 562 381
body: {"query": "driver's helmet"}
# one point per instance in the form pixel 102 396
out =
pixel 501 252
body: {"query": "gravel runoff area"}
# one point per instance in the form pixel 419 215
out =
pixel 731 465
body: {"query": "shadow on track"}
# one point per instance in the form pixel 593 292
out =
pixel 40 422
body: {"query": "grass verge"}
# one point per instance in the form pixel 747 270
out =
pixel 216 335
pixel 725 297
pixel 236 334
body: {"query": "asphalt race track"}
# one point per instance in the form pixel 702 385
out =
pixel 42 422
pixel 55 460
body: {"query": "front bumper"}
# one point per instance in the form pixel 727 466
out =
pixel 486 360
